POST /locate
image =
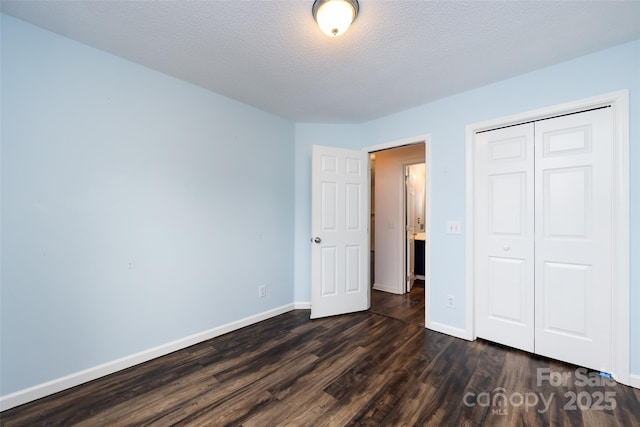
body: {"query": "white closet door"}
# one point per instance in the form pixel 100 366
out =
pixel 504 263
pixel 573 238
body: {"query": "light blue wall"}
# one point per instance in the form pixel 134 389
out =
pixel 606 71
pixel 138 209
pixel 132 208
pixel 307 135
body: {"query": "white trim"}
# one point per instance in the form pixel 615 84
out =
pixel 50 387
pixel 548 112
pixel 398 143
pixel 383 288
pixel 620 322
pixel 449 330
pixel 620 245
pixel 427 229
pixel 469 227
pixel 426 140
pixel 302 305
pixel 634 380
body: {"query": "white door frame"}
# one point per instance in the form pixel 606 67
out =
pixel 426 140
pixel 619 101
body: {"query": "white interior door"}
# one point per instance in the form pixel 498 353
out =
pixel 504 263
pixel 339 222
pixel 573 168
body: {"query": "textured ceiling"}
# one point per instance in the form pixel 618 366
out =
pixel 397 54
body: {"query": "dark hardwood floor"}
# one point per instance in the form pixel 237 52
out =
pixel 408 307
pixel 355 369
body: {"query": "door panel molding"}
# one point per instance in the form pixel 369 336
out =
pixel 504 250
pixel 619 102
pixel 339 233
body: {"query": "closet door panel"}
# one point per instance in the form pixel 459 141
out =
pixel 573 187
pixel 504 236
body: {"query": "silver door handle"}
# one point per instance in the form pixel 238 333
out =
pixel 317 240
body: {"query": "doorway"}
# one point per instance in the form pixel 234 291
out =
pixel 398 225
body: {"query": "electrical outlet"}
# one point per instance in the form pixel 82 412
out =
pixel 451 301
pixel 454 227
pixel 262 291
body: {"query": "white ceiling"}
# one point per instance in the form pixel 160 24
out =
pixel 397 54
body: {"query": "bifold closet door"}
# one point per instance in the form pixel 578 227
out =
pixel 573 238
pixel 543 237
pixel 504 249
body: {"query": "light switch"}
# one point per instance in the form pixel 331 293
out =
pixel 454 227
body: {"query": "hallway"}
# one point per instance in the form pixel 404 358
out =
pixel 407 307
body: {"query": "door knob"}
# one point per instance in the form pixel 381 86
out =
pixel 506 247
pixel 317 240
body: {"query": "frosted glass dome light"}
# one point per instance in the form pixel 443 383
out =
pixel 334 17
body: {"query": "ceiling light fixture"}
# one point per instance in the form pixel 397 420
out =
pixel 335 16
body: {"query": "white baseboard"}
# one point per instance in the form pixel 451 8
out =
pixel 634 380
pixel 45 389
pixel 383 288
pixel 302 305
pixel 449 330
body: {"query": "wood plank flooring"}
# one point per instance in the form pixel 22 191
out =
pixel 407 307
pixel 356 369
